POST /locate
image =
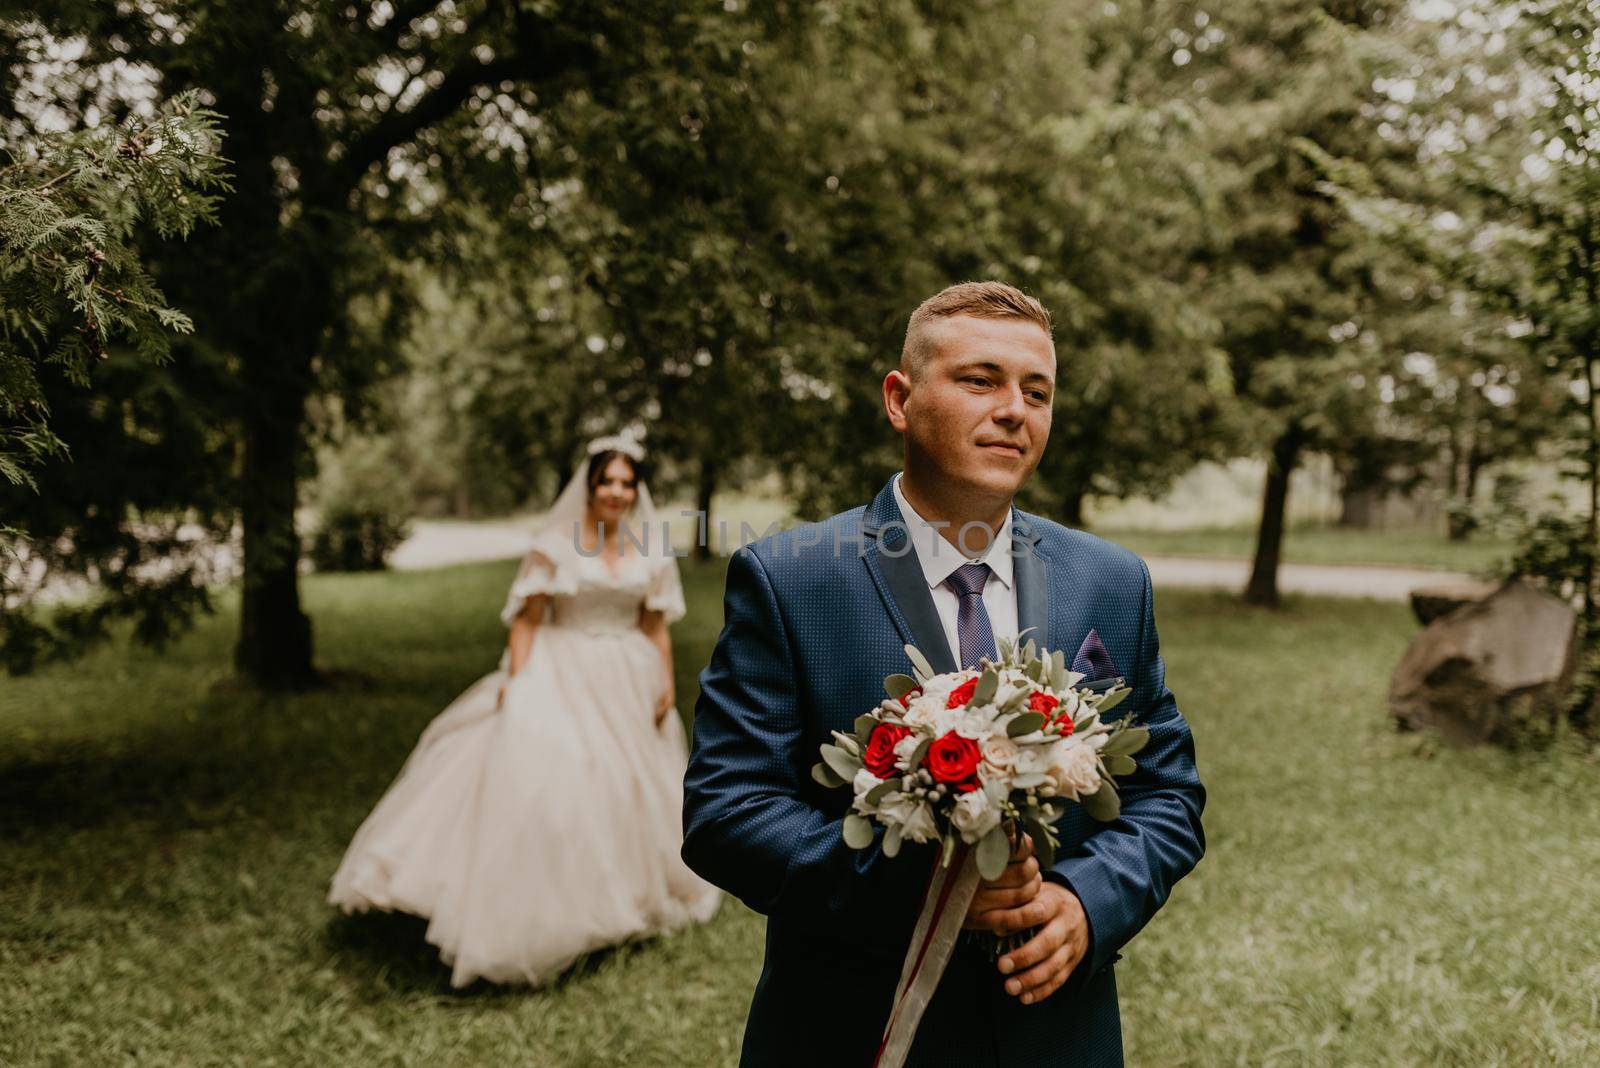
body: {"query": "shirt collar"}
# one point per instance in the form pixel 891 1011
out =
pixel 939 558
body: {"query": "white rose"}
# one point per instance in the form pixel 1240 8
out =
pixel 974 815
pixel 914 818
pixel 974 723
pixel 926 710
pixel 1075 769
pixel 864 783
pixel 1030 758
pixel 999 754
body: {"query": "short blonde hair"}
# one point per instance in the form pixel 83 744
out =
pixel 982 300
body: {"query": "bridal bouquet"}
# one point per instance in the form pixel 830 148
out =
pixel 969 759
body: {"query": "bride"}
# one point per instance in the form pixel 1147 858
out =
pixel 540 815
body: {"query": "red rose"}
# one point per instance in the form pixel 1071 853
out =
pixel 879 757
pixel 962 694
pixel 1045 704
pixel 953 760
pixel 909 696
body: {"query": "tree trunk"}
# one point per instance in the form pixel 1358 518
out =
pixel 1263 586
pixel 1358 506
pixel 274 649
pixel 1072 507
pixel 705 489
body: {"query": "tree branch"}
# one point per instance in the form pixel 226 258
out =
pixel 548 61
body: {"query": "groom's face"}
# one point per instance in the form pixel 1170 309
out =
pixel 977 409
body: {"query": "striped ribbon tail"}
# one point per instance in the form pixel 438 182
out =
pixel 944 907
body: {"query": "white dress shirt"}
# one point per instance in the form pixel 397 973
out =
pixel 939 559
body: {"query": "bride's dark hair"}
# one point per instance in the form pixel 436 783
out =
pixel 601 460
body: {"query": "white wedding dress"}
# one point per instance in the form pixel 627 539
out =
pixel 534 834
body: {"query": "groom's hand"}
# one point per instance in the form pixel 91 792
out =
pixel 1003 905
pixel 1039 966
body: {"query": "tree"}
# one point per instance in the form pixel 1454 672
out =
pixel 77 307
pixel 357 132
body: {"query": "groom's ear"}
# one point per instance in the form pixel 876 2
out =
pixel 896 388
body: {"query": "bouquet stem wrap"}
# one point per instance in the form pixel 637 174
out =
pixel 944 907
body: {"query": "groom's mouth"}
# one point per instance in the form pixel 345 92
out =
pixel 1004 448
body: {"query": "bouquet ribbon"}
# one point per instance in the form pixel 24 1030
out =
pixel 944 907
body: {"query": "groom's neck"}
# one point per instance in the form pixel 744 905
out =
pixel 952 509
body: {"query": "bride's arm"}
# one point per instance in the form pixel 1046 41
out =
pixel 654 625
pixel 523 628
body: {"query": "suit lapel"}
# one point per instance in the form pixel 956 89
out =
pixel 1032 575
pixel 893 564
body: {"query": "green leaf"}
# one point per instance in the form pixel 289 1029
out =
pixel 897 686
pixel 920 752
pixel 993 852
pixel 891 840
pixel 1026 723
pixel 1126 742
pixel 988 683
pixel 919 664
pixel 885 788
pixel 1029 650
pixel 1043 847
pixel 824 775
pixel 843 764
pixel 864 724
pixel 1118 764
pixel 1104 805
pixel 857 831
pixel 1113 698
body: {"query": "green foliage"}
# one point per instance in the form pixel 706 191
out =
pixel 72 281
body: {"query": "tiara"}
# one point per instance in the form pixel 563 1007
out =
pixel 617 443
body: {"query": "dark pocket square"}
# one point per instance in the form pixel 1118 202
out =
pixel 1094 662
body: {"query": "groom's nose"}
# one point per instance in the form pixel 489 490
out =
pixel 1010 407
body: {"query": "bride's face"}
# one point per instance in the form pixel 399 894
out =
pixel 615 493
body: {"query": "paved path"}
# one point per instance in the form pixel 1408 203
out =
pixel 436 544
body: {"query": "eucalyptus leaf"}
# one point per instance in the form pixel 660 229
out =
pixel 919 664
pixel 857 831
pixel 824 775
pixel 988 683
pixel 864 725
pixel 920 752
pixel 993 852
pixel 1026 723
pixel 891 840
pixel 884 789
pixel 1119 764
pixel 1043 847
pixel 897 686
pixel 843 764
pixel 1104 805
pixel 1029 650
pixel 1113 698
pixel 1126 742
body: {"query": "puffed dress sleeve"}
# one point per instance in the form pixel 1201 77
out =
pixel 666 590
pixel 541 573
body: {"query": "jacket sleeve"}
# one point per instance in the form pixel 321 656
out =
pixel 750 825
pixel 1124 872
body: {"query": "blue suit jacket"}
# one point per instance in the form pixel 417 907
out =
pixel 815 617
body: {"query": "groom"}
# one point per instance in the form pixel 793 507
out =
pixel 818 615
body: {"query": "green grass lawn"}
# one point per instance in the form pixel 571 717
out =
pixel 1321 545
pixel 166 839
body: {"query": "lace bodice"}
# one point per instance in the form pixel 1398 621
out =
pixel 585 594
